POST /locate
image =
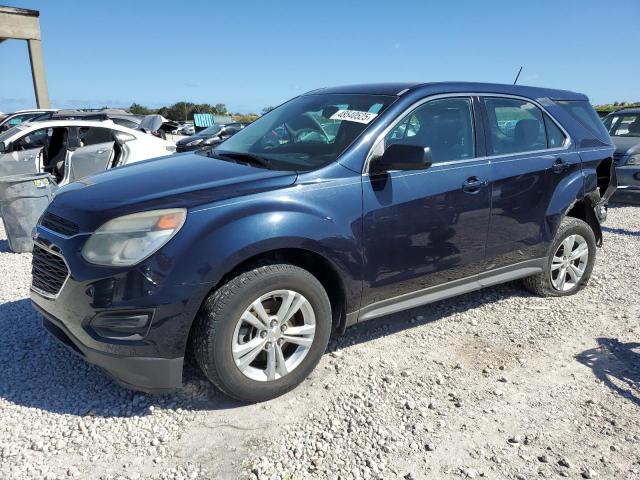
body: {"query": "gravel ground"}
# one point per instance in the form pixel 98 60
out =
pixel 496 384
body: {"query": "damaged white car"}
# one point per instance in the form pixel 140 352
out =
pixel 74 149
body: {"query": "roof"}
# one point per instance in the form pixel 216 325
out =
pixel 453 87
pixel 77 123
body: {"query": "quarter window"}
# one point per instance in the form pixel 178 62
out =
pixel 445 126
pixel 555 137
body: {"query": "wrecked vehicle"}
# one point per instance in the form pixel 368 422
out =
pixel 209 137
pixel 9 120
pixel 341 205
pixel 74 149
pixel 624 128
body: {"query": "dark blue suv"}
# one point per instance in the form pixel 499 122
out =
pixel 341 205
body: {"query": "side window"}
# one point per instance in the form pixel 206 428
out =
pixel 35 139
pixel 93 136
pixel 555 137
pixel 515 126
pixel 445 126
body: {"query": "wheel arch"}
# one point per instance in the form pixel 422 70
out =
pixel 583 210
pixel 325 270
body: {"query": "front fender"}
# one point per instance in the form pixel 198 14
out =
pixel 219 238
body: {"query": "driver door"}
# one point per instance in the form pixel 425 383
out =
pixel 24 155
pixel 424 229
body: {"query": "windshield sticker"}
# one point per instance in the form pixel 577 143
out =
pixel 354 116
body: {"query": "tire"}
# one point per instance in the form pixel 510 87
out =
pixel 546 283
pixel 221 331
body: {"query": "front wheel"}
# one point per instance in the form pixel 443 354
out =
pixel 571 259
pixel 263 332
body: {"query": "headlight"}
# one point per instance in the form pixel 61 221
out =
pixel 194 142
pixel 634 159
pixel 128 240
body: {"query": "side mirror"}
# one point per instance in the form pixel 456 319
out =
pixel 402 157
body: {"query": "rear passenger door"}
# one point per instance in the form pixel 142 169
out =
pixel 530 158
pixel 94 154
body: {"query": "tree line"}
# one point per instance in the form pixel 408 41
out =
pixel 183 111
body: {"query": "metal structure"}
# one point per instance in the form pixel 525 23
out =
pixel 23 24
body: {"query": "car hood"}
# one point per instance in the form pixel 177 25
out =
pixel 183 180
pixel 184 141
pixel 626 145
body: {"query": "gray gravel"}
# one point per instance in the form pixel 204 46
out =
pixel 494 384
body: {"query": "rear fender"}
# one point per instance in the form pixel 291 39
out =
pixel 567 193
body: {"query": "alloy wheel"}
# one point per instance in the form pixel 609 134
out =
pixel 569 263
pixel 273 335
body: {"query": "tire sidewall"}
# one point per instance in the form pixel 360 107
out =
pixel 233 379
pixel 575 228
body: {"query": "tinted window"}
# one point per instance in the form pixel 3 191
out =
pixel 555 137
pixel 515 126
pixel 93 136
pixel 307 132
pixel 445 126
pixel 584 113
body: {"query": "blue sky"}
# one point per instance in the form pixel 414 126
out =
pixel 250 54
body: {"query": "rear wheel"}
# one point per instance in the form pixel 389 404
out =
pixel 571 259
pixel 263 332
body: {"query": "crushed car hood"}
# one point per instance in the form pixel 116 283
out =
pixel 183 180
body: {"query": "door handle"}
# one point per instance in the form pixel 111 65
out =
pixel 100 152
pixel 473 185
pixel 559 166
pixel 29 158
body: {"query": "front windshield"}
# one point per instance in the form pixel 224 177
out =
pixel 212 130
pixel 4 136
pixel 307 132
pixel 621 125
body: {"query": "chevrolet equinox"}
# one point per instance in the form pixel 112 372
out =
pixel 341 205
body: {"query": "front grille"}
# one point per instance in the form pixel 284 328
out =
pixel 59 225
pixel 49 271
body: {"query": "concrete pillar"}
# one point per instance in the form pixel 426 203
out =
pixel 37 72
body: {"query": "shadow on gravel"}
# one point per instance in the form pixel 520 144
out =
pixel 617 365
pixel 621 231
pixel 37 372
pixel 397 322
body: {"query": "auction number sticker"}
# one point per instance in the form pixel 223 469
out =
pixel 354 116
pixel 41 182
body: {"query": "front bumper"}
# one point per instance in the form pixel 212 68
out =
pixel 147 374
pixel 85 314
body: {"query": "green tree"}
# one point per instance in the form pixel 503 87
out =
pixel 138 109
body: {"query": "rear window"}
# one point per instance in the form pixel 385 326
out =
pixel 584 113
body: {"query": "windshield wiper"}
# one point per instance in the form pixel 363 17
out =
pixel 243 157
